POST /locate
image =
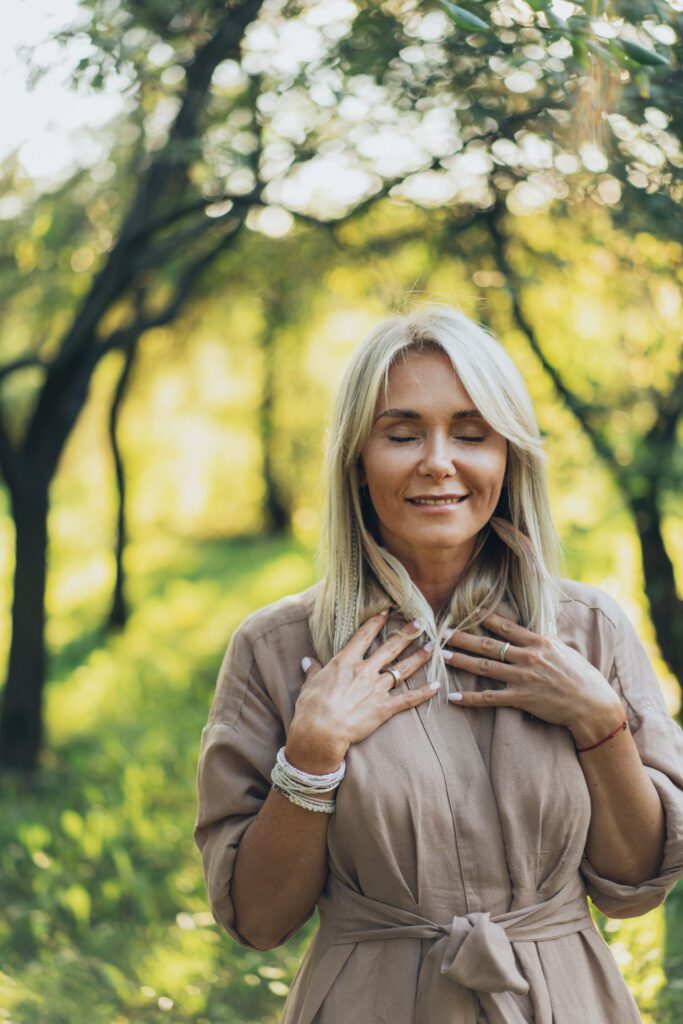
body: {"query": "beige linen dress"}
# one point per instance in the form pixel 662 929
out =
pixel 457 881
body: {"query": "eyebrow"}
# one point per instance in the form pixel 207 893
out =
pixel 410 414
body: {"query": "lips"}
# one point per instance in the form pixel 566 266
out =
pixel 437 499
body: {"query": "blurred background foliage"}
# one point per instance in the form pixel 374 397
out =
pixel 177 315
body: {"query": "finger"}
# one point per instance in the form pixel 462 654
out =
pixel 512 631
pixel 483 666
pixel 408 666
pixel 489 646
pixel 411 698
pixel 311 667
pixel 392 647
pixel 365 634
pixel 484 698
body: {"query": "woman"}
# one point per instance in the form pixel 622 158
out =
pixel 505 743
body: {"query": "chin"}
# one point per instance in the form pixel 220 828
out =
pixel 440 539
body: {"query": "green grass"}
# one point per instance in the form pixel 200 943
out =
pixel 106 920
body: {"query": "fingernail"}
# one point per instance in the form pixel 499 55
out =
pixel 429 646
pixel 417 624
pixel 447 655
pixel 385 611
pixel 455 696
pixel 435 685
pixel 305 664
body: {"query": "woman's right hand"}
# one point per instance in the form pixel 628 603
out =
pixel 347 699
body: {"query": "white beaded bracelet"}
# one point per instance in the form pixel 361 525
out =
pixel 308 803
pixel 287 775
pixel 302 788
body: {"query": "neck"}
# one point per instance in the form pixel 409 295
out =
pixel 436 572
pixel 436 587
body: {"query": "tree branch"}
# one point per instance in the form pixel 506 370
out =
pixel 9 462
pixel 119 609
pixel 198 205
pixel 20 364
pixel 10 465
pixel 65 386
pixel 167 175
pixel 572 401
pixel 127 336
pixel 669 410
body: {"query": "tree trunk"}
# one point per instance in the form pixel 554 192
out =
pixel 118 613
pixel 21 716
pixel 277 514
pixel 666 608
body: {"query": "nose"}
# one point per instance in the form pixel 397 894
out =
pixel 437 461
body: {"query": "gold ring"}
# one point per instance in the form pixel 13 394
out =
pixel 394 673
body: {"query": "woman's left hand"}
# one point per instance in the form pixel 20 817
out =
pixel 542 675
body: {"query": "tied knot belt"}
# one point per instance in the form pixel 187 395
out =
pixel 470 966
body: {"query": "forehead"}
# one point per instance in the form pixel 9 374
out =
pixel 422 376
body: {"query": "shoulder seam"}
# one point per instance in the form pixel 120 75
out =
pixel 566 599
pixel 279 625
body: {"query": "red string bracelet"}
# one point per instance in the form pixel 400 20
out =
pixel 620 728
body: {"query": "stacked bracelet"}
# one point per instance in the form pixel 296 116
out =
pixel 303 788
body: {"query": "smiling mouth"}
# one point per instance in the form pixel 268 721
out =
pixel 453 500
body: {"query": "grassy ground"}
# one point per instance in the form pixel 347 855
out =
pixel 105 914
pixel 106 919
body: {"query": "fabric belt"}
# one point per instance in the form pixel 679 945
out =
pixel 470 967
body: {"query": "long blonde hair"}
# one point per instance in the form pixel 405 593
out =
pixel 516 555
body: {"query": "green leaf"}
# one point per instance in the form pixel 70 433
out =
pixel 116 980
pixel 76 899
pixel 465 19
pixel 538 5
pixel 579 50
pixel 641 55
pixel 72 824
pixel 34 836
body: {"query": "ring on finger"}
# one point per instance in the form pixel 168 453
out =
pixel 394 673
pixel 504 650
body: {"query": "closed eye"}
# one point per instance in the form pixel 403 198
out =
pixel 459 437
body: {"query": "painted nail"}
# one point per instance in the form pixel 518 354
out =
pixel 305 664
pixel 418 624
pixel 455 696
pixel 429 646
pixel 435 685
pixel 385 611
pixel 447 655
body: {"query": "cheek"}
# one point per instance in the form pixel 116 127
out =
pixel 384 468
pixel 386 477
pixel 487 472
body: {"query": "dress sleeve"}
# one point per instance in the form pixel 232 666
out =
pixel 660 744
pixel 238 748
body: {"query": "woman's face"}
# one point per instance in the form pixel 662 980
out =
pixel 430 444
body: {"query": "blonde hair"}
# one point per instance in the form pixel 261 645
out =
pixel 517 552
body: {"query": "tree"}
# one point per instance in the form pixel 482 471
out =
pixel 181 213
pixel 490 114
